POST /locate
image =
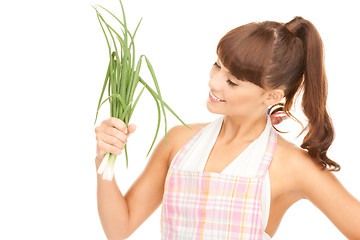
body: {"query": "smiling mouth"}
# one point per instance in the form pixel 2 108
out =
pixel 214 98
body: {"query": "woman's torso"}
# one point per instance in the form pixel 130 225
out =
pixel 282 195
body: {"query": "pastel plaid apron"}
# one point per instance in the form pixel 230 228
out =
pixel 210 205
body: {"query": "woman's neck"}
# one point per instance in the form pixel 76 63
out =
pixel 242 129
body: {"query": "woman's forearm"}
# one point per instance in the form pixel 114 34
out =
pixel 112 208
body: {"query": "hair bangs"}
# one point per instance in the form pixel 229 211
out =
pixel 246 51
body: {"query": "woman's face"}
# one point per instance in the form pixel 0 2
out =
pixel 238 98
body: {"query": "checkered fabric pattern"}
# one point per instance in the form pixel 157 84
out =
pixel 213 206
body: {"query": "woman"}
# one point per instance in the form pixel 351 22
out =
pixel 213 181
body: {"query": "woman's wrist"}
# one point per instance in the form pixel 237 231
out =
pixel 98 160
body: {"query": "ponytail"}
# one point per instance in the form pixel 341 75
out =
pixel 272 55
pixel 321 131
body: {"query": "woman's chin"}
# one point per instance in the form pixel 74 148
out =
pixel 211 108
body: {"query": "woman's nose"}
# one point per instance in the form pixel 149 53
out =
pixel 216 79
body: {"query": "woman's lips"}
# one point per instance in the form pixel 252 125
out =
pixel 215 99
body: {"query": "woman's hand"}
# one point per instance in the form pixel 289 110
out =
pixel 111 137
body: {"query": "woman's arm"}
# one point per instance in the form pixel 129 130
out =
pixel 145 195
pixel 121 215
pixel 325 191
pixel 112 208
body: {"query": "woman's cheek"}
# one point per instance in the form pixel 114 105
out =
pixel 244 99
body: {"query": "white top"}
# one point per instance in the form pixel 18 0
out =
pixel 245 164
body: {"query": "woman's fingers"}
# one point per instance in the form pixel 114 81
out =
pixel 132 128
pixel 114 132
pixel 115 122
pixel 103 148
pixel 112 136
pixel 108 139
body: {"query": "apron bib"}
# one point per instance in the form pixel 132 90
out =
pixel 213 206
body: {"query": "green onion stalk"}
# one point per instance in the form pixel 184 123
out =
pixel 121 80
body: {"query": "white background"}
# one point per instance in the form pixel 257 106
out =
pixel 53 62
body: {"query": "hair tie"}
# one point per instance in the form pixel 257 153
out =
pixel 278 116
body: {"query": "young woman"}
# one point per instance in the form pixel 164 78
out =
pixel 213 180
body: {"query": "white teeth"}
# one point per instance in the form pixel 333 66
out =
pixel 215 97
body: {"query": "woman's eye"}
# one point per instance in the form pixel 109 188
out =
pixel 228 81
pixel 231 83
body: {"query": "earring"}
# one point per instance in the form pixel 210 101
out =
pixel 278 117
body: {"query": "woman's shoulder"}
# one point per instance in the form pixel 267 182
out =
pixel 293 156
pixel 294 164
pixel 183 131
pixel 181 134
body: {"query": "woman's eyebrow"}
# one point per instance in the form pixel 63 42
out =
pixel 234 78
pixel 218 65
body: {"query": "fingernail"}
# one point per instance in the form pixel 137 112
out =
pixel 125 130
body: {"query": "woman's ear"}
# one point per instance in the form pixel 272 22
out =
pixel 274 96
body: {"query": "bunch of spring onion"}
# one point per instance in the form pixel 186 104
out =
pixel 121 80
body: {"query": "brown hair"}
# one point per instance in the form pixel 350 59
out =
pixel 272 54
